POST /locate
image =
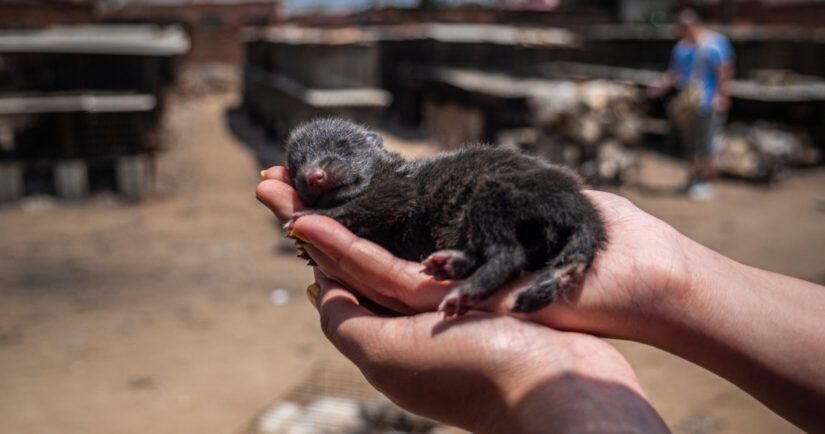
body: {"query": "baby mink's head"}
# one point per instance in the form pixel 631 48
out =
pixel 332 160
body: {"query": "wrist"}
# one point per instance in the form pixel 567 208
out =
pixel 750 327
pixel 670 287
pixel 589 388
pixel 679 316
pixel 662 291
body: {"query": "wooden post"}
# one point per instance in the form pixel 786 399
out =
pixel 134 176
pixel 71 180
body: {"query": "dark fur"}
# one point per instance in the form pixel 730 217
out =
pixel 482 215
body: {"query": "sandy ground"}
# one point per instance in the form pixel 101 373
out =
pixel 157 317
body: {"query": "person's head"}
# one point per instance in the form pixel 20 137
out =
pixel 690 24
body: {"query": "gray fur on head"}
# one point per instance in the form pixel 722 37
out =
pixel 481 216
pixel 347 152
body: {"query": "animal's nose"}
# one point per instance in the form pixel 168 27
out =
pixel 317 178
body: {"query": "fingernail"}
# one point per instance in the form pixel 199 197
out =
pixel 312 294
pixel 296 234
pixel 263 175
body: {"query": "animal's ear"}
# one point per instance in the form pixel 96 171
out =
pixel 374 139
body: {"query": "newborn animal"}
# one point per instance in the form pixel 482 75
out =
pixel 480 216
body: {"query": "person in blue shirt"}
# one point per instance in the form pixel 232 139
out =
pixel 701 63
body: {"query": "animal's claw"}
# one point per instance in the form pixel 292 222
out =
pixel 290 224
pixel 455 304
pixel 445 264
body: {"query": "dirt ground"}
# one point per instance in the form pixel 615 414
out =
pixel 158 317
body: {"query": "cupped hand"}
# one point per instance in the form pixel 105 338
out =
pixel 488 373
pixel 642 269
pixel 360 264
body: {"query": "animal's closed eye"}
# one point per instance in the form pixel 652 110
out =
pixel 342 143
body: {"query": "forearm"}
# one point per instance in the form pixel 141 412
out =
pixel 762 331
pixel 666 81
pixel 581 404
pixel 725 75
pixel 721 101
pixel 584 386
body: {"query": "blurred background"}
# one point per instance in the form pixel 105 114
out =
pixel 142 287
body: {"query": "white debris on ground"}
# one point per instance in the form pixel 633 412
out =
pixel 275 419
pixel 761 151
pixel 279 297
pixel 328 415
pixel 337 415
pixel 592 126
pixel 334 398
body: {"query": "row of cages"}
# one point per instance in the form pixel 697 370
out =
pixel 478 83
pixel 396 64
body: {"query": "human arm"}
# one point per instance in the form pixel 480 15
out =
pixel 663 84
pixel 489 373
pixel 762 331
pixel 724 74
pixel 722 58
pixel 653 285
pixel 666 81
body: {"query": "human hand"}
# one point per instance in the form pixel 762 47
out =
pixel 642 270
pixel 655 91
pixel 721 102
pixel 662 85
pixel 377 274
pixel 758 329
pixel 488 373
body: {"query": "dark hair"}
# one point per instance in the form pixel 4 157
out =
pixel 688 17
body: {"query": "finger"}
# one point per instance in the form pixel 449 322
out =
pixel 277 173
pixel 329 268
pixel 279 197
pixel 354 330
pixel 371 265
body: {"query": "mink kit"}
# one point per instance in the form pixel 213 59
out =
pixel 481 216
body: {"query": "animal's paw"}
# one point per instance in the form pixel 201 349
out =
pixel 302 253
pixel 456 303
pixel 576 264
pixel 446 264
pixel 550 284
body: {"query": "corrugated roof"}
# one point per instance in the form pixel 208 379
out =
pixel 145 40
pixel 347 97
pixel 455 33
pixel 84 102
pixel 48 2
pixel 195 2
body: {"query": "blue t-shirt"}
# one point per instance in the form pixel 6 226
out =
pixel 714 52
